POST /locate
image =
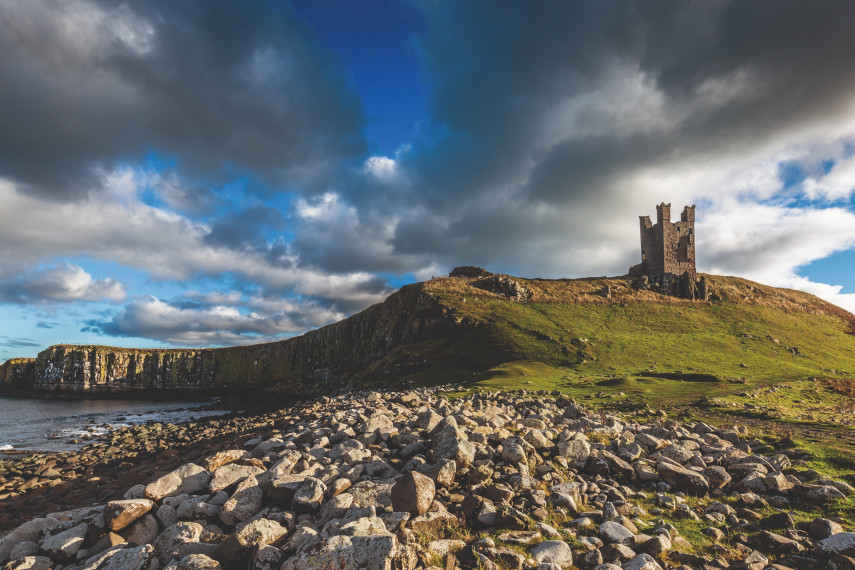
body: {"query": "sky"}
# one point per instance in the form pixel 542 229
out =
pixel 218 172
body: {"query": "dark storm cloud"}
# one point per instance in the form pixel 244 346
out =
pixel 220 88
pixel 246 228
pixel 544 117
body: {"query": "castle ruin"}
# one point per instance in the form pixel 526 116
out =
pixel 668 254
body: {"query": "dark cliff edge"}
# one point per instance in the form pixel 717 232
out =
pixel 367 347
pixel 475 326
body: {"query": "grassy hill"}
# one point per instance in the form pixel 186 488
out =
pixel 779 361
pixel 756 351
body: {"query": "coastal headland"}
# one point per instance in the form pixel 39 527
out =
pixel 471 421
pixel 474 326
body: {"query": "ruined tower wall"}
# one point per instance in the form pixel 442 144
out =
pixel 667 247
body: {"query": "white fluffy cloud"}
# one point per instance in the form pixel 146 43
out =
pixel 65 282
pixel 210 322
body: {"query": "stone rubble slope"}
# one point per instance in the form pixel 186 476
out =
pixel 493 480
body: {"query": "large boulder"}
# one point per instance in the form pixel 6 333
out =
pixel 168 542
pixel 413 493
pixel 682 479
pixel 189 478
pixel 27 532
pixel 379 552
pixel 840 543
pixel 230 474
pixel 461 451
pixel 139 558
pixel 257 533
pixel 247 500
pixel 119 514
pixel 575 451
pixel 65 544
pixel 553 552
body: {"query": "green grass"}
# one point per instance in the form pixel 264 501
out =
pixel 660 351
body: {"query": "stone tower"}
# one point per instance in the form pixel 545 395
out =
pixel 667 248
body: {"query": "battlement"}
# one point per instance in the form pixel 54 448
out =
pixel 666 247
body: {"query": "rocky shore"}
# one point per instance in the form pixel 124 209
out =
pixel 417 480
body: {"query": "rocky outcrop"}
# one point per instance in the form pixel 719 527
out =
pixel 17 373
pixel 316 362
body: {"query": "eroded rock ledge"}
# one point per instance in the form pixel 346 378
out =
pixel 317 362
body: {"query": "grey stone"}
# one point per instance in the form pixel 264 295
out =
pixel 612 532
pixel 65 544
pixel 553 552
pixel 257 533
pixel 231 474
pixel 119 514
pixel 413 493
pixel 189 478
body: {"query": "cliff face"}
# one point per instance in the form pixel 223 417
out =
pixel 309 364
pixel 17 373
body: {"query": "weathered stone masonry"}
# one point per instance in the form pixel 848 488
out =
pixel 667 248
pixel 668 255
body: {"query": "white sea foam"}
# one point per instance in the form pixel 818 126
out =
pixel 6 447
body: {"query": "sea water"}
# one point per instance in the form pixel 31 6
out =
pixel 66 425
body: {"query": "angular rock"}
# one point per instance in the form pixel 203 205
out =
pixel 717 476
pixel 230 474
pixel 683 479
pixel 119 514
pixel 143 531
pixel 189 478
pixel 642 562
pixel 576 451
pixel 65 544
pixel 30 563
pixel 139 558
pixel 821 528
pixel 458 450
pixel 168 542
pixel 217 460
pixel 614 533
pixel 309 496
pixel 353 553
pixel 194 562
pixel 247 500
pixel 372 493
pixel 840 543
pixel 365 526
pixel 655 545
pixel 431 523
pixel 258 533
pixel 413 493
pixel 619 469
pixel 553 552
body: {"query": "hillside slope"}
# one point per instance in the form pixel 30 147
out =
pixel 570 334
pixel 504 332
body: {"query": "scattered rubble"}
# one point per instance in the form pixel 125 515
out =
pixel 493 480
